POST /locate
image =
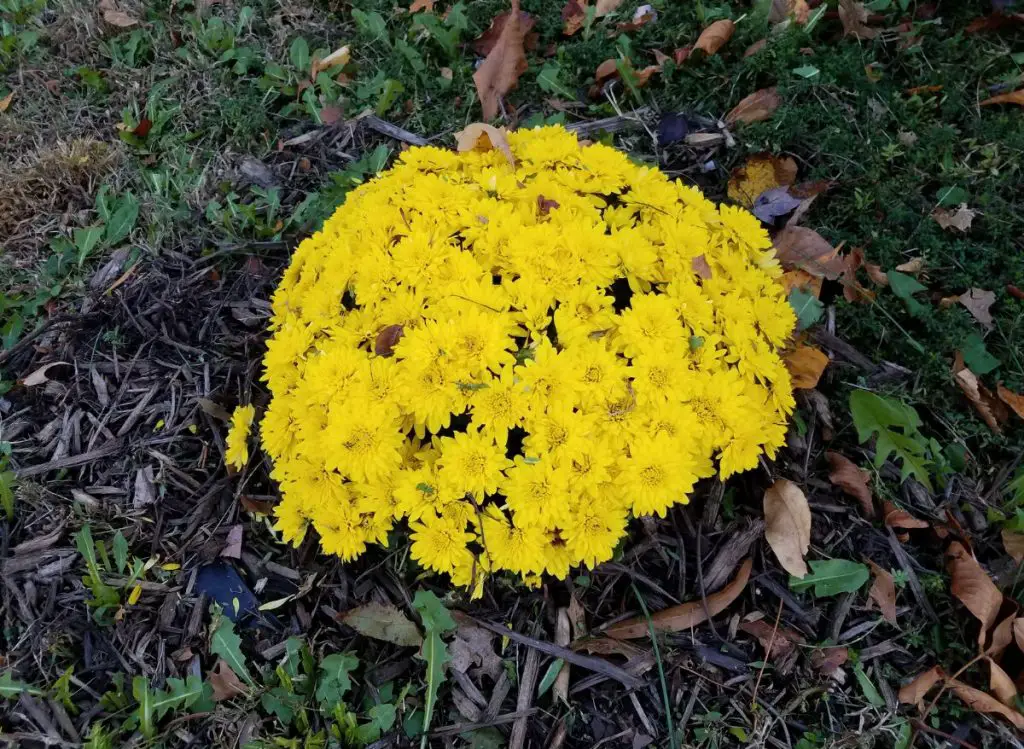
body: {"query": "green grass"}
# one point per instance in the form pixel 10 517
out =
pixel 220 83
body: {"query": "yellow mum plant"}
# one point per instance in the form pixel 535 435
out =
pixel 515 352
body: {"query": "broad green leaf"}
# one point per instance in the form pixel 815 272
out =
pixel 548 80
pixel 281 703
pixel 976 355
pixel 905 287
pixel 436 618
pixel 11 688
pixel 298 54
pixel 951 196
pixel 120 552
pixel 807 71
pixel 86 240
pixel 876 415
pixel 144 697
pixel 122 220
pixel 382 717
pixel 868 687
pixel 180 694
pixel 903 737
pixel 830 577
pixel 7 483
pixel 228 645
pixel 807 307
pixel 485 738
pixel 334 679
pixel 86 547
pixel 549 677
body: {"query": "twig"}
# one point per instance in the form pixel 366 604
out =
pixel 767 653
pixel 376 124
pixel 590 663
pixel 530 672
pixel 29 337
pixel 844 349
pixel 660 665
pixel 71 461
pixel 609 124
pixel 457 728
pixel 922 726
pixel 912 579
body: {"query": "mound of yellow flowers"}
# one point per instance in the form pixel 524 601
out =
pixel 516 357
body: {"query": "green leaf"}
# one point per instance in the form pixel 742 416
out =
pixel 86 547
pixel 903 737
pixel 86 240
pixel 830 577
pixel 122 220
pixel 228 645
pixel 298 54
pixel 7 484
pixel 11 688
pixel 905 287
pixel 120 552
pixel 952 196
pixel 549 677
pixel 334 679
pixel 382 717
pixel 807 71
pixel 144 697
pixel 548 80
pixel 281 703
pixel 976 355
pixel 485 738
pixel 435 654
pixel 867 687
pixel 807 307
pixel 876 415
pixel 436 618
pixel 180 694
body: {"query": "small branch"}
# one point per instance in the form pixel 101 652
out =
pixel 378 125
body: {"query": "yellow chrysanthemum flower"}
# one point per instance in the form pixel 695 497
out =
pixel 513 360
pixel 237 453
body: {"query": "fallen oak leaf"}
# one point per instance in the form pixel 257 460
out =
pixel 977 302
pixel 479 136
pixel 853 480
pixel 787 519
pixel 803 248
pixel 990 408
pixel 473 646
pixel 714 37
pixel 897 517
pixel 225 682
pixel 972 586
pixel 914 692
pixel 1011 399
pixel 756 107
pixel 685 615
pixel 778 642
pixel 959 218
pixel 1013 543
pixel 854 17
pixel 1014 97
pixel 883 592
pixel 1000 684
pixel 499 72
pixel 805 365
pixel 382 622
pixel 983 702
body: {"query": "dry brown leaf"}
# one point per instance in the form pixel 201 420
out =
pixel 959 218
pixel 983 702
pixel 853 480
pixel 560 689
pixel 805 365
pixel 382 621
pixel 1014 544
pixel 913 266
pixel 340 56
pixel 606 69
pixel 777 642
pixel 225 682
pixel 1000 684
pixel 977 302
pixel 973 587
pixel 607 646
pixel 577 617
pixel 700 267
pixel 803 248
pixel 914 692
pixel 473 647
pixel 801 279
pixel 854 17
pixel 1002 636
pixel 604 7
pixel 1018 632
pixel 876 274
pixel 39 376
pixel 883 592
pixel 829 660
pixel 990 408
pixel 479 136
pixel 233 543
pixel 685 615
pixel 787 519
pixel 762 172
pixel 1014 97
pixel 781 10
pixel 574 14
pixel 418 5
pixel 897 517
pixel 756 47
pixel 715 36
pixel 1011 399
pixel 5 102
pixel 756 107
pixel 115 16
pixel 499 72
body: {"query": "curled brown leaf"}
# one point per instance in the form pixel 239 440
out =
pixel 853 480
pixel 787 518
pixel 972 586
pixel 715 36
